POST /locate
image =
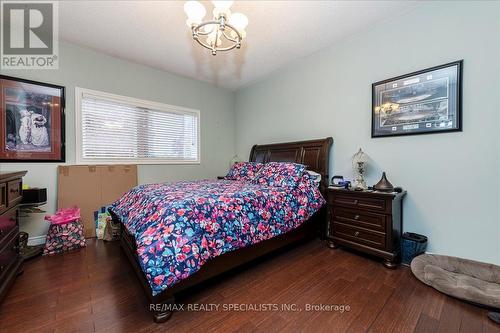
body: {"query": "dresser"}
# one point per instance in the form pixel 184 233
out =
pixel 370 222
pixel 11 194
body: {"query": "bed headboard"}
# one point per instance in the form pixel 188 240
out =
pixel 315 154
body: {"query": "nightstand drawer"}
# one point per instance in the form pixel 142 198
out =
pixel 359 235
pixel 11 194
pixel 358 202
pixel 8 225
pixel 8 255
pixel 14 192
pixel 3 197
pixel 367 220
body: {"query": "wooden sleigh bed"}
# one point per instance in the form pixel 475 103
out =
pixel 315 155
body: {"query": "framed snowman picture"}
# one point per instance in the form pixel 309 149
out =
pixel 31 121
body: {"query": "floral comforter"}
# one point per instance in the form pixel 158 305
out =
pixel 179 226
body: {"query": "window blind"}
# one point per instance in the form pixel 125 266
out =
pixel 121 130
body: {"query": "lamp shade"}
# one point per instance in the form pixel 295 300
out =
pixel 223 4
pixel 191 22
pixel 211 39
pixel 239 21
pixel 221 11
pixel 195 11
pixel 360 156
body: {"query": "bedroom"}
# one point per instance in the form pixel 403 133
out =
pixel 305 71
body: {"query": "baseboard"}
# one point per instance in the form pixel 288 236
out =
pixel 408 265
pixel 36 240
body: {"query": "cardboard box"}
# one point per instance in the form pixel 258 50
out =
pixel 91 187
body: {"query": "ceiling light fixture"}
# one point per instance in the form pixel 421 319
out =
pixel 223 33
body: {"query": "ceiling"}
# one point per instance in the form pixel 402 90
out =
pixel 154 33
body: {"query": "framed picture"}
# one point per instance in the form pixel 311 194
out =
pixel 423 102
pixel 31 121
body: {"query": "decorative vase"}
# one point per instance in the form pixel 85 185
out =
pixel 383 184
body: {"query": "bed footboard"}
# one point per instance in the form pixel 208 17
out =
pixel 163 304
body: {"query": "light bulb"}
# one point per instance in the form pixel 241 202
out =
pixel 208 28
pixel 239 21
pixel 223 4
pixel 221 11
pixel 194 10
pixel 191 22
pixel 211 40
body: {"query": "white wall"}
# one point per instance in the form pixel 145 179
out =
pixel 82 67
pixel 452 179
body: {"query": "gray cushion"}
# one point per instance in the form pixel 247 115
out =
pixel 465 279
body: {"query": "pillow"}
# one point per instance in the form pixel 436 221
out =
pixel 315 177
pixel 243 171
pixel 280 174
pixel 308 181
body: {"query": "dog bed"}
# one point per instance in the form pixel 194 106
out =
pixel 468 280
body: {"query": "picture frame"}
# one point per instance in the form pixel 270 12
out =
pixel 32 121
pixel 423 102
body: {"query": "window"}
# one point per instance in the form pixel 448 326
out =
pixel 118 129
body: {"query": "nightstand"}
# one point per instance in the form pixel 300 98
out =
pixel 368 221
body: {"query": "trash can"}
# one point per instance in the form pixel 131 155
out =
pixel 411 246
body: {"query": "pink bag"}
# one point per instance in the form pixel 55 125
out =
pixel 64 216
pixel 65 231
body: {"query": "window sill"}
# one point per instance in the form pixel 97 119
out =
pixel 136 162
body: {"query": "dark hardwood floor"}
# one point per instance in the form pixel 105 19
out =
pixel 95 290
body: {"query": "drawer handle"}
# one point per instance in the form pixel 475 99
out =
pixel 355 202
pixel 356 233
pixel 2 268
pixel 1 232
pixel 356 217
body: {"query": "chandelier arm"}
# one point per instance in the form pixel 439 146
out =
pixel 203 44
pixel 235 30
pixel 198 27
pixel 229 38
pixel 222 49
pixel 214 46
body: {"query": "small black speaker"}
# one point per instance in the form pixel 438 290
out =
pixel 34 195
